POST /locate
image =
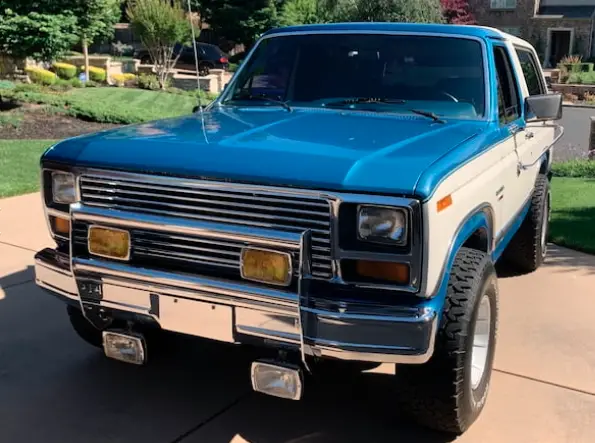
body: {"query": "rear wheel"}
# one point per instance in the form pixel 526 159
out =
pixel 528 248
pixel 449 392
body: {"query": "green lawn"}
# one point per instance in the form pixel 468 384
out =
pixel 110 104
pixel 573 213
pixel 19 166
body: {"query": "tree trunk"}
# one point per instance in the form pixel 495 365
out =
pixel 86 56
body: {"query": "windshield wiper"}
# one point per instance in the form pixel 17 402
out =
pixel 261 97
pixel 361 100
pixel 428 114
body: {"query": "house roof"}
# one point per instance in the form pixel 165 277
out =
pixel 474 31
pixel 581 11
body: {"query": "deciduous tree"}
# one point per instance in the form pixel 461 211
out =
pixel 161 24
pixel 457 12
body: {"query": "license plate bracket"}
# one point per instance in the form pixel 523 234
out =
pixel 90 289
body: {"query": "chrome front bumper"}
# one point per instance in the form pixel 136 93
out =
pixel 236 312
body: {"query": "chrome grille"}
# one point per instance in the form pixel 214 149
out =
pixel 241 206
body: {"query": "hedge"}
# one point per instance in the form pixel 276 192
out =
pixel 41 76
pixel 64 70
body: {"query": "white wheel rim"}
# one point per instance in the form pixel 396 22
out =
pixel 481 341
pixel 545 223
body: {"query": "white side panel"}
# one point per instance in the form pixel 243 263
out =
pixel 475 183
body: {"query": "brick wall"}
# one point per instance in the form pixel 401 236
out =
pixel 520 17
pixel 538 33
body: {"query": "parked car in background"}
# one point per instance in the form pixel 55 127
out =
pixel 209 57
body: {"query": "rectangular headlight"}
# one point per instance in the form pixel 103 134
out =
pixel 382 225
pixel 63 188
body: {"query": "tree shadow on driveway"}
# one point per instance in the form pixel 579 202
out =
pixel 56 388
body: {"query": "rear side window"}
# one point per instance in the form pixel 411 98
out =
pixel 531 72
pixel 509 108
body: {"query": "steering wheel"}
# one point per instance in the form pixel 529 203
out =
pixel 452 97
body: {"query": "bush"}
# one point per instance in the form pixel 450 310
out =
pixel 150 81
pixel 575 169
pixel 64 70
pixel 76 83
pixel 41 76
pixel 96 74
pixel 233 67
pixel 6 84
pixel 121 80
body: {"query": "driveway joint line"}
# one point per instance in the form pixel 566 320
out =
pixel 17 246
pixel 209 419
pixel 545 382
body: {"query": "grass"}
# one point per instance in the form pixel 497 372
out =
pixel 573 213
pixel 111 105
pixel 19 166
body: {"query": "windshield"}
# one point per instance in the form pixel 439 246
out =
pixel 442 75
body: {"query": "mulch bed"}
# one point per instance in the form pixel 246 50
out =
pixel 36 123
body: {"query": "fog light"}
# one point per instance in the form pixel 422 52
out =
pixel 383 270
pixel 60 226
pixel 109 242
pixel 277 379
pixel 129 347
pixel 266 266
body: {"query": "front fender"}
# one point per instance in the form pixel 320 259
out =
pixel 479 219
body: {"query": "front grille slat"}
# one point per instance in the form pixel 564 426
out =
pixel 114 196
pixel 209 202
pixel 110 186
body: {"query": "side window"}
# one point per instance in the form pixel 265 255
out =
pixel 531 72
pixel 509 108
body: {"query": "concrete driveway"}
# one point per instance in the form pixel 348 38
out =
pixel 55 388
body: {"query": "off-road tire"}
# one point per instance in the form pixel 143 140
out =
pixel 84 328
pixel 526 253
pixel 439 393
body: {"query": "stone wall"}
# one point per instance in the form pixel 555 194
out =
pixel 538 35
pixel 9 67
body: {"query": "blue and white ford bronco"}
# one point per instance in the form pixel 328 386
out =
pixel 344 201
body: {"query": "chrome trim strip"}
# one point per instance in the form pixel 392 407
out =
pixel 132 220
pixel 213 287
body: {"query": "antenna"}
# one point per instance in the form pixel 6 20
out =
pixel 202 115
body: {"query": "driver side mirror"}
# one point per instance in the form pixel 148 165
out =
pixel 544 107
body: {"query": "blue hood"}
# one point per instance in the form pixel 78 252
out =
pixel 343 151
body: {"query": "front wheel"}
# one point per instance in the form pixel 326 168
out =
pixel 449 392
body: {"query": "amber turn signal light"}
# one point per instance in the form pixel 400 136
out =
pixel 383 270
pixel 61 226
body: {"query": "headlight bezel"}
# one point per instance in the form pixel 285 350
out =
pixel 403 212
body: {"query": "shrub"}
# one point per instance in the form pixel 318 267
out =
pixel 6 84
pixel 121 80
pixel 41 76
pixel 96 74
pixel 574 168
pixel 233 67
pixel 61 85
pixel 64 70
pixel 149 81
pixel 76 83
pixel 575 78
